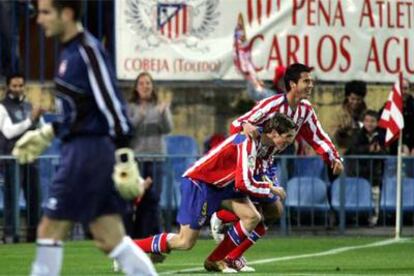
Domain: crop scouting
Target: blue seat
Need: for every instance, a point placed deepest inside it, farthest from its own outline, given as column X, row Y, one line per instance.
column 390, row 167
column 182, row 151
column 314, row 167
column 357, row 194
column 307, row 193
column 388, row 194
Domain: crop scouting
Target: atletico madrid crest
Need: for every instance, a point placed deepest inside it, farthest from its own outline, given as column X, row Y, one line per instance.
column 172, row 21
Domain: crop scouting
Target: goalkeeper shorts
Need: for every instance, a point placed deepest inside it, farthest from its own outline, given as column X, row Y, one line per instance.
column 82, row 189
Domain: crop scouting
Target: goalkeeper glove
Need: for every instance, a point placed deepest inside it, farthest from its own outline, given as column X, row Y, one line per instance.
column 128, row 181
column 33, row 143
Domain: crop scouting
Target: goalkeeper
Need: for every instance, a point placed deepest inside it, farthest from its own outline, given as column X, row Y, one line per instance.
column 95, row 155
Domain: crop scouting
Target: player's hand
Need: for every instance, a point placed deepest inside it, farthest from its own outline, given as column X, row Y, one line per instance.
column 337, row 167
column 279, row 191
column 32, row 144
column 128, row 181
column 250, row 130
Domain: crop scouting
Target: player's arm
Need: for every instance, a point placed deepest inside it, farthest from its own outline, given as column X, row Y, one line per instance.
column 246, row 162
column 317, row 138
column 264, row 110
column 126, row 176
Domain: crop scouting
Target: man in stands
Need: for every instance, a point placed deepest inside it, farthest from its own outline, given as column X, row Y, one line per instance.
column 16, row 117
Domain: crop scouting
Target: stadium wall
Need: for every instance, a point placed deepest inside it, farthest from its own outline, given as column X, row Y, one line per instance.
column 201, row 110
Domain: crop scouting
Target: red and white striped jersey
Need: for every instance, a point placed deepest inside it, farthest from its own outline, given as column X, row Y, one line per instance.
column 239, row 159
column 307, row 123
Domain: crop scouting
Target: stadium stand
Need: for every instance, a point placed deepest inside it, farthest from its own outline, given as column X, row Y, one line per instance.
column 357, row 194
column 307, row 193
column 313, row 166
column 388, row 194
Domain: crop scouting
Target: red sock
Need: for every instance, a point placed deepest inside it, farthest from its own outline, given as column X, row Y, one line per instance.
column 227, row 216
column 154, row 244
column 254, row 236
column 233, row 238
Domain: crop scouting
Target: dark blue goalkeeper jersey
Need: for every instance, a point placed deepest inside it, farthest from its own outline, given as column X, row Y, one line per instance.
column 87, row 99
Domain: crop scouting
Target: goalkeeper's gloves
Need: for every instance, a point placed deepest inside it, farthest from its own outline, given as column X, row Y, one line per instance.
column 128, row 181
column 32, row 144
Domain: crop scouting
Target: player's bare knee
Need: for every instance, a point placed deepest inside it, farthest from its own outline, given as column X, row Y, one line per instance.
column 251, row 219
column 188, row 244
column 185, row 243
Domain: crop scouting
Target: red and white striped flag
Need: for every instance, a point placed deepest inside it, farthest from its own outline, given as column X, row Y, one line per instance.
column 392, row 116
column 242, row 56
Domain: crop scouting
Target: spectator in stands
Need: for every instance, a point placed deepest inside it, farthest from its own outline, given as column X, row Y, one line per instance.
column 369, row 140
column 408, row 113
column 347, row 120
column 152, row 120
column 408, row 132
column 16, row 117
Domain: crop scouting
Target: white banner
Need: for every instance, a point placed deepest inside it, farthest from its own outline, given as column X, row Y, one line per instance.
column 369, row 40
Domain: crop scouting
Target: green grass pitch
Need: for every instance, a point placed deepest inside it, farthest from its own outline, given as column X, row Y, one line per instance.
column 271, row 256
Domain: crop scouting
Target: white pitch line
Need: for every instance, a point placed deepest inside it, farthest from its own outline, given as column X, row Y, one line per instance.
column 310, row 255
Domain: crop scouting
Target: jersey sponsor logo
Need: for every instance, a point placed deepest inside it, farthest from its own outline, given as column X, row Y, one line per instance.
column 160, row 22
column 63, row 66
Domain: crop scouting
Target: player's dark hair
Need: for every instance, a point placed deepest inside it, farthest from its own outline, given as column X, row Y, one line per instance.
column 13, row 76
column 293, row 73
column 280, row 122
column 76, row 5
column 135, row 98
column 356, row 87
